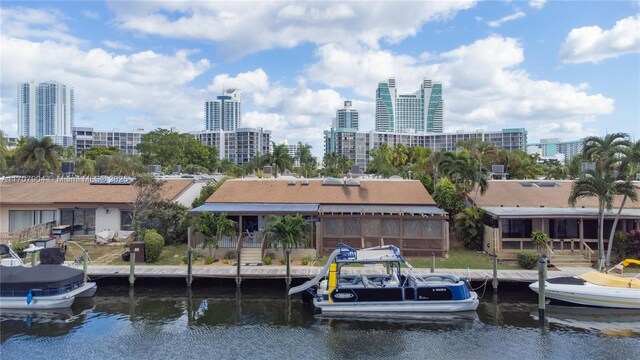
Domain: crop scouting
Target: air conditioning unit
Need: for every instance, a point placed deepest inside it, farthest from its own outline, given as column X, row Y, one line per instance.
column 497, row 169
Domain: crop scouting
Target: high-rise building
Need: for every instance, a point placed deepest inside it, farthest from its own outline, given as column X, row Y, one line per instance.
column 419, row 112
column 239, row 146
column 346, row 118
column 46, row 109
column 224, row 113
column 356, row 145
column 126, row 141
column 385, row 105
column 552, row 147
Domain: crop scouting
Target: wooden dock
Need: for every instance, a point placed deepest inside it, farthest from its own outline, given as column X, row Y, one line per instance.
column 305, row 272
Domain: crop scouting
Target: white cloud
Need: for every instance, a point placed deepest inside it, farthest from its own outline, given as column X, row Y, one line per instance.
column 246, row 27
column 514, row 16
column 501, row 94
column 592, row 44
column 537, row 4
column 151, row 85
column 91, row 15
column 35, row 24
column 116, row 45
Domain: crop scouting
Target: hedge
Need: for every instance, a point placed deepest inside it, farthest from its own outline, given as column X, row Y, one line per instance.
column 153, row 244
column 528, row 259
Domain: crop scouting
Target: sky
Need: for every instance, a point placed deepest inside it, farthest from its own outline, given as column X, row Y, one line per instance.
column 560, row 69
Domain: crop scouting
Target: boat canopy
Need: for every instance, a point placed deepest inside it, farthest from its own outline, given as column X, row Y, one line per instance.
column 41, row 276
column 597, row 278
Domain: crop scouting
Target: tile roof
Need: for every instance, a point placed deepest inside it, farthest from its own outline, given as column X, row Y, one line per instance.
column 511, row 193
column 57, row 191
column 275, row 191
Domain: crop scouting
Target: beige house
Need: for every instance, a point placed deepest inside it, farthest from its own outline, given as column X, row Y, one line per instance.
column 515, row 208
column 357, row 212
column 89, row 207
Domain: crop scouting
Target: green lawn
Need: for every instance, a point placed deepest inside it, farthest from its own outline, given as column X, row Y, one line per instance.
column 170, row 255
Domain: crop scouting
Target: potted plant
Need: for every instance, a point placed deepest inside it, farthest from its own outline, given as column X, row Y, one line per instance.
column 540, row 240
column 19, row 247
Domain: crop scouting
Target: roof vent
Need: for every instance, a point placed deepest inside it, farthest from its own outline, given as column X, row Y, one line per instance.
column 304, row 182
column 292, row 182
column 395, row 177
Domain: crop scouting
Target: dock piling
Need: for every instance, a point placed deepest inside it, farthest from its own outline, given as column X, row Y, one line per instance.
column 287, row 258
column 542, row 278
column 238, row 265
column 189, row 268
column 495, row 273
column 433, row 262
column 85, row 260
column 132, row 269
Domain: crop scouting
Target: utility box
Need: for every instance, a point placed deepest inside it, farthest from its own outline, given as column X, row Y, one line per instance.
column 62, row 232
column 136, row 249
column 44, row 243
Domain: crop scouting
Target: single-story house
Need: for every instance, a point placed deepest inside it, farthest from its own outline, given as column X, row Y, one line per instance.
column 515, row 208
column 357, row 212
column 89, row 205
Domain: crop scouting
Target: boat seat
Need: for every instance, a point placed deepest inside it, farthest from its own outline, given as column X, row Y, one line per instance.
column 366, row 282
column 392, row 281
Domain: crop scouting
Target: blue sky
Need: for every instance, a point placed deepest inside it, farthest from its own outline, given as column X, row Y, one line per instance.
column 562, row 69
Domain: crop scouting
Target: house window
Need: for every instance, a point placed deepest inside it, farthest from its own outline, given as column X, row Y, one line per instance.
column 126, row 220
column 22, row 219
column 516, row 228
column 332, row 226
column 563, row 228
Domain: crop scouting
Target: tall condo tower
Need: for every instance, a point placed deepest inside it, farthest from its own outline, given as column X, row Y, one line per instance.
column 385, row 105
column 224, row 113
column 409, row 113
column 347, row 118
column 46, row 109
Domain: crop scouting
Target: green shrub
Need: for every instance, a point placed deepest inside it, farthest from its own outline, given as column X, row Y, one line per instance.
column 267, row 260
column 540, row 239
column 226, row 261
column 185, row 259
column 153, row 244
column 528, row 259
column 283, row 262
column 19, row 246
column 306, row 260
column 230, row 255
column 208, row 260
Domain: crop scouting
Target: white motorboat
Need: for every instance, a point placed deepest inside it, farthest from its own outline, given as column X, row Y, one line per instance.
column 595, row 289
column 384, row 289
column 44, row 286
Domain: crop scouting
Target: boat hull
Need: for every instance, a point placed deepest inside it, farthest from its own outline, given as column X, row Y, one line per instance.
column 46, row 302
column 592, row 295
column 410, row 306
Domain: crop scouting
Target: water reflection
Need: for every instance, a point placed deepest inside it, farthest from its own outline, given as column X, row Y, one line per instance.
column 617, row 322
column 44, row 323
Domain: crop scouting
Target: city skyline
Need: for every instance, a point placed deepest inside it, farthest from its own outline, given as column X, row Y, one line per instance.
column 559, row 69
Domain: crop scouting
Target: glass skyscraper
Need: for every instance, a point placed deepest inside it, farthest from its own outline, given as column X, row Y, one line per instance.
column 46, row 109
column 411, row 113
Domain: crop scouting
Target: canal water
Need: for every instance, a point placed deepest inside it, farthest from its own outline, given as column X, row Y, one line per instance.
column 261, row 322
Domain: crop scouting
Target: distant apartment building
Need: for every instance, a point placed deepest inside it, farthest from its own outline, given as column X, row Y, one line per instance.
column 356, row 146
column 557, row 149
column 293, row 152
column 126, row 141
column 224, row 113
column 240, row 145
column 420, row 112
column 46, row 109
column 346, row 118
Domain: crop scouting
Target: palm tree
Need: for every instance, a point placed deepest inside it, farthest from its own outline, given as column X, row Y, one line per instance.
column 604, row 151
column 460, row 168
column 280, row 159
column 381, row 161
column 574, row 167
column 287, row 231
column 306, row 159
column 629, row 166
column 257, row 163
column 399, row 156
column 603, row 186
column 214, row 228
column 38, row 156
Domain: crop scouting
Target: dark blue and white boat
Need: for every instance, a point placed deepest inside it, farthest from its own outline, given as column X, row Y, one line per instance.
column 45, row 286
column 384, row 288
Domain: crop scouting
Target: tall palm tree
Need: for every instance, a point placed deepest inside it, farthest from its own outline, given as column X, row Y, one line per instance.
column 280, row 159
column 39, row 156
column 463, row 171
column 602, row 185
column 307, row 161
column 604, row 151
column 629, row 167
column 399, row 156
